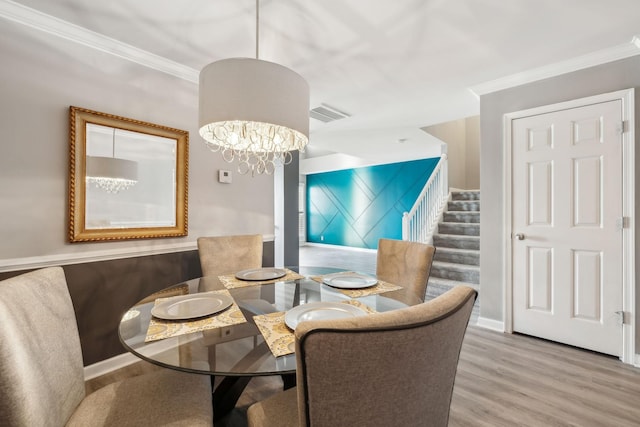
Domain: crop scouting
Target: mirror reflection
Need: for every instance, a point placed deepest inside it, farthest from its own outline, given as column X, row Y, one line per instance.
column 128, row 179
column 139, row 189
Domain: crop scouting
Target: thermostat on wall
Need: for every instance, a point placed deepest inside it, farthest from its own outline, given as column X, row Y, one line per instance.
column 224, row 177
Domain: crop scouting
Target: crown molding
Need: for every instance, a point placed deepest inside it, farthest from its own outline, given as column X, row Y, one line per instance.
column 603, row 56
column 33, row 18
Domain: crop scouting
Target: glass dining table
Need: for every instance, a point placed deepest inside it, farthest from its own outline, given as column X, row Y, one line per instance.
column 238, row 351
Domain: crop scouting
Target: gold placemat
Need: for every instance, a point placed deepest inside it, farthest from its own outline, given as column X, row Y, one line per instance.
column 230, row 281
column 279, row 337
column 378, row 288
column 160, row 329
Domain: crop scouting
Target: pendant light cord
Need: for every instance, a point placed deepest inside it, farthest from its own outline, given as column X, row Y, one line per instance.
column 257, row 29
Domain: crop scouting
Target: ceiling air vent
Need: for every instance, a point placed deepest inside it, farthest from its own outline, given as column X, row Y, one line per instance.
column 327, row 114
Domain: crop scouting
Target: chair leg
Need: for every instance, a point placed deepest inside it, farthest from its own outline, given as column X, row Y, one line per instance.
column 226, row 395
column 289, row 381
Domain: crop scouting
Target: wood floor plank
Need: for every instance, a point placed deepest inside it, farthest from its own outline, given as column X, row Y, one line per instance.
column 506, row 380
column 525, row 381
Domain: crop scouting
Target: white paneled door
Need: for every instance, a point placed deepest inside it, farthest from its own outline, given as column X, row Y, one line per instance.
column 567, row 226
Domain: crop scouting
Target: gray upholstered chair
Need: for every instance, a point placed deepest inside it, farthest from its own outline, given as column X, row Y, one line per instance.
column 229, row 254
column 405, row 263
column 42, row 375
column 395, row 368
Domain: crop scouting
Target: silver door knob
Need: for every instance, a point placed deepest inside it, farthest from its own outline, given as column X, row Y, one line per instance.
column 520, row 236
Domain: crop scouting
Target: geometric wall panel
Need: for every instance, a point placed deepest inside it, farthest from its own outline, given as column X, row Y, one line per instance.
column 356, row 207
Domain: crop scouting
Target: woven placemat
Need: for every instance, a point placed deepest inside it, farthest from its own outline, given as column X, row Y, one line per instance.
column 279, row 337
column 161, row 329
column 230, row 281
column 378, row 288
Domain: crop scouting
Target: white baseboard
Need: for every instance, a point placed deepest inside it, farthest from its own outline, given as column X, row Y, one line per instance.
column 636, row 361
column 349, row 248
column 109, row 365
column 126, row 359
column 494, row 325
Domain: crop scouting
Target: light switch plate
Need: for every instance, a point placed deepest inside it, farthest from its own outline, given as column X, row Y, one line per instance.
column 224, row 177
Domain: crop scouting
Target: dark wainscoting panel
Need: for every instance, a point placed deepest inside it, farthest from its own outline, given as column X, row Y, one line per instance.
column 103, row 291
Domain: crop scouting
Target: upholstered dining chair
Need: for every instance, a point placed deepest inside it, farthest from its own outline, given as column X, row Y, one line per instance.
column 405, row 263
column 42, row 375
column 230, row 254
column 395, row 368
column 227, row 254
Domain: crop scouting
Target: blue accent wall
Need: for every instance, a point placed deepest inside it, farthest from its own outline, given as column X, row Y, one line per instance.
column 356, row 207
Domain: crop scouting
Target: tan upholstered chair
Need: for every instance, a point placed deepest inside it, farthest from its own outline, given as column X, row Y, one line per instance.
column 405, row 263
column 229, row 254
column 395, row 368
column 42, row 375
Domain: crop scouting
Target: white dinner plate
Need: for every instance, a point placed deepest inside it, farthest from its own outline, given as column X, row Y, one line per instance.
column 320, row 311
column 261, row 274
column 350, row 281
column 191, row 306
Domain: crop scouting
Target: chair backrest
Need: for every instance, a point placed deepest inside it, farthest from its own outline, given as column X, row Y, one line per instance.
column 229, row 254
column 405, row 263
column 395, row 368
column 41, row 368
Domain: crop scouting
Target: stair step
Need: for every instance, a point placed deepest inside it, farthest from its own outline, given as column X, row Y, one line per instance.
column 458, row 272
column 463, row 205
column 462, row 216
column 439, row 286
column 460, row 256
column 456, row 241
column 459, row 228
column 465, row 195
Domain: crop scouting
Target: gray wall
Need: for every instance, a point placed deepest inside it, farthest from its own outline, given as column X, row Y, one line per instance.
column 291, row 239
column 40, row 77
column 618, row 75
column 462, row 138
column 39, row 80
column 472, row 155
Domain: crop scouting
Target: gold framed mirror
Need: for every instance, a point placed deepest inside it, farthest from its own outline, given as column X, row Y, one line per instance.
column 128, row 179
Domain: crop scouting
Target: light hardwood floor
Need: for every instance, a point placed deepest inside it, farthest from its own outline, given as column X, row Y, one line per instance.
column 507, row 380
column 503, row 380
column 517, row 380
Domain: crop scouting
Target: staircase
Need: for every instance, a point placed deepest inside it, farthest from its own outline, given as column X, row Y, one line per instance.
column 457, row 242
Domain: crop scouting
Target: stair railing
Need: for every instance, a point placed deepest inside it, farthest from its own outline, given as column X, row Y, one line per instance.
column 419, row 223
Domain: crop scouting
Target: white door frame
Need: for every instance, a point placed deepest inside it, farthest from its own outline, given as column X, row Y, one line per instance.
column 628, row 203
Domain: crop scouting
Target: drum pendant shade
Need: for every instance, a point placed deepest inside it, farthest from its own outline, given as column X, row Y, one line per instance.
column 255, row 110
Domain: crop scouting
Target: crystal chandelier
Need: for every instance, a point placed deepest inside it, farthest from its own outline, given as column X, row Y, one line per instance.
column 111, row 174
column 253, row 111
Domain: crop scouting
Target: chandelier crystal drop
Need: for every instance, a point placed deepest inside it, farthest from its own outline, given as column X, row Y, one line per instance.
column 253, row 111
column 111, row 174
column 258, row 147
column 111, row 185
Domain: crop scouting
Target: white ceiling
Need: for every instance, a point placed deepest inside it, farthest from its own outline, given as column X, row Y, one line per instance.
column 394, row 66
